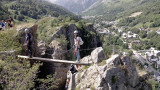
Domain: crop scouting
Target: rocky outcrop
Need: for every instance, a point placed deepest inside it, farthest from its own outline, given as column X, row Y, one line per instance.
column 33, row 31
column 98, row 55
column 59, row 50
column 117, row 73
column 42, row 48
column 91, row 41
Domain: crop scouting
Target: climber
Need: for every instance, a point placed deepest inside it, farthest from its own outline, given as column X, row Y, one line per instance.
column 73, row 68
column 77, row 42
column 68, row 80
column 28, row 43
column 11, row 21
column 2, row 25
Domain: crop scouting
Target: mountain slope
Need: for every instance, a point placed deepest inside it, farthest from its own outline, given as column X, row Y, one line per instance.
column 76, row 6
column 3, row 11
column 150, row 16
column 133, row 13
column 34, row 9
column 113, row 6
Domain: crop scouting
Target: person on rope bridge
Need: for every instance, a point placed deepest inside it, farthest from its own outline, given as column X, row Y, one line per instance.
column 28, row 43
column 77, row 42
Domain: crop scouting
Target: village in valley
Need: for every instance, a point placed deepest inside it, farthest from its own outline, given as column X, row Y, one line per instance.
column 149, row 58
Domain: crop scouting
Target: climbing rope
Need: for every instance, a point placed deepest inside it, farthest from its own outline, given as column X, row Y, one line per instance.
column 65, row 51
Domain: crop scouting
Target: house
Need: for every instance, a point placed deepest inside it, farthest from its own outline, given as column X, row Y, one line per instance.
column 149, row 56
column 153, row 55
column 135, row 35
column 158, row 31
column 129, row 32
column 124, row 35
column 120, row 31
column 136, row 41
column 130, row 36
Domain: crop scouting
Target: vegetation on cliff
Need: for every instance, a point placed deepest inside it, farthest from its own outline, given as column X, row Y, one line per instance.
column 25, row 10
column 16, row 73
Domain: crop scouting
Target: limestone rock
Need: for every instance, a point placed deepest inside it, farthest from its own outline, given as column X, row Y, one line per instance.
column 87, row 59
column 42, row 48
column 33, row 31
column 98, row 55
column 119, row 73
column 58, row 50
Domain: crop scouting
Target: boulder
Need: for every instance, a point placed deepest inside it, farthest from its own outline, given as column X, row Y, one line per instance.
column 87, row 59
column 98, row 55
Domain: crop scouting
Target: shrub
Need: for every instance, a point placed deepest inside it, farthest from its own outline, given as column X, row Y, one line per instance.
column 9, row 42
column 17, row 74
column 50, row 83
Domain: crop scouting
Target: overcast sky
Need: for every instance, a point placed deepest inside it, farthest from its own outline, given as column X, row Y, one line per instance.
column 53, row 0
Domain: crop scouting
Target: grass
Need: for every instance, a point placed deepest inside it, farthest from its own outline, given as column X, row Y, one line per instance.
column 78, row 88
column 92, row 87
column 154, row 84
column 102, row 63
column 141, row 71
column 79, row 77
column 49, row 25
column 24, row 25
column 85, row 67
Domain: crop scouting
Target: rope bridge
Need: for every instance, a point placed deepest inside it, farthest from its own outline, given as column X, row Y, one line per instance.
column 52, row 60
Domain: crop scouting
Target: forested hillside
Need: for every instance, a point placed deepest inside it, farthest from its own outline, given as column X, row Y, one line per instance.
column 31, row 9
column 3, row 11
column 150, row 16
column 133, row 13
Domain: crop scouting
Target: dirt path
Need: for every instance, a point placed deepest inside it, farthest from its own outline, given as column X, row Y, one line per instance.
column 135, row 14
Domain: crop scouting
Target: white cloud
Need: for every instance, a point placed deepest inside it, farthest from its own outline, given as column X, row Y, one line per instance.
column 53, row 1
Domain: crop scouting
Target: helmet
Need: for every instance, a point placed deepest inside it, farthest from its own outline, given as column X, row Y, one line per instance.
column 76, row 32
column 26, row 30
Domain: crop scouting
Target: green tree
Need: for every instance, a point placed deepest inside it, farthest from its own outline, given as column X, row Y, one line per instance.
column 17, row 74
column 49, row 83
column 135, row 30
column 143, row 34
column 151, row 34
column 9, row 42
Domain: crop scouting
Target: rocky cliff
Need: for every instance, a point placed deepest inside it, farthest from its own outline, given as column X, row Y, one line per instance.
column 61, row 47
column 115, row 73
column 63, row 40
column 33, row 31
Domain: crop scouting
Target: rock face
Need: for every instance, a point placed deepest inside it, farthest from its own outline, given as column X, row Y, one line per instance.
column 117, row 74
column 98, row 55
column 58, row 49
column 42, row 48
column 68, row 34
column 33, row 31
